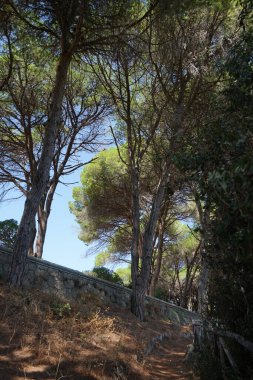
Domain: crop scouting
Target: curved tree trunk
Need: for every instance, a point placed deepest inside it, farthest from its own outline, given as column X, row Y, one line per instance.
column 41, row 178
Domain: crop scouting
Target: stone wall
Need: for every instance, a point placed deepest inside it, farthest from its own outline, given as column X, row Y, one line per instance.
column 70, row 284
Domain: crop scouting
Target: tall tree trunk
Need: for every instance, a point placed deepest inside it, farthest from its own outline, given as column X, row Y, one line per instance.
column 43, row 215
column 185, row 291
column 155, row 277
column 32, row 238
column 135, row 253
column 204, row 272
column 41, row 178
column 138, row 298
column 203, row 288
column 42, row 227
column 191, row 269
column 141, row 284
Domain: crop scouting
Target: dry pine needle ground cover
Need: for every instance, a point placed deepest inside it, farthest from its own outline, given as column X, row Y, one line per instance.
column 43, row 337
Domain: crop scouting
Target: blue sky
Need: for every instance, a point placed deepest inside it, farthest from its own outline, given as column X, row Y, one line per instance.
column 62, row 245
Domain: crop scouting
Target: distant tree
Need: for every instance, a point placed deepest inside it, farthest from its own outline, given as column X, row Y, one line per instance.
column 125, row 275
column 102, row 203
column 8, row 232
column 107, row 274
column 181, row 265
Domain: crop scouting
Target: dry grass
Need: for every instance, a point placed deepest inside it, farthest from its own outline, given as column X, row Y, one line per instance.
column 43, row 337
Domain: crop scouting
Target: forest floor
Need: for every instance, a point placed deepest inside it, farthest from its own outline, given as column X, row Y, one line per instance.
column 45, row 338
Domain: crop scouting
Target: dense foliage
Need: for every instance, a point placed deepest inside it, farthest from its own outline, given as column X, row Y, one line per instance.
column 8, row 232
column 231, row 186
column 219, row 160
column 106, row 274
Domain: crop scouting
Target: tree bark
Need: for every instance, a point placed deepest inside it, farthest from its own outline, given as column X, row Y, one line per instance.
column 42, row 227
column 41, row 178
column 43, row 215
column 203, row 287
column 141, row 284
column 204, row 272
column 191, row 268
column 185, row 291
column 32, row 238
column 158, row 265
column 138, row 299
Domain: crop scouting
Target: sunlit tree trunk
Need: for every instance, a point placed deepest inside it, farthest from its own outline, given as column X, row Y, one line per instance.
column 32, row 238
column 43, row 215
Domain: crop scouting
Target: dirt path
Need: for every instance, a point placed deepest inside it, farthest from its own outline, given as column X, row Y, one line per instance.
column 167, row 361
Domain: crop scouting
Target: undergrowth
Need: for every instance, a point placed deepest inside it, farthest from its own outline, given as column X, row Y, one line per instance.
column 62, row 338
column 45, row 337
column 206, row 365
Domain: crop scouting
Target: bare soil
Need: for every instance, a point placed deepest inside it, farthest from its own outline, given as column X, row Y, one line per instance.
column 45, row 338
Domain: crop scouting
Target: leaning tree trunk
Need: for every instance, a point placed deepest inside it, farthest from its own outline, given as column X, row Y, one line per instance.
column 41, row 178
column 140, row 287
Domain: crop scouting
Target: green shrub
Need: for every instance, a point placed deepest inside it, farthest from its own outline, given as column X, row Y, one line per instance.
column 107, row 274
column 161, row 294
column 61, row 310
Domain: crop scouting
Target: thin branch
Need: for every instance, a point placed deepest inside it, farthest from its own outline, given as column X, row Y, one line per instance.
column 117, row 146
